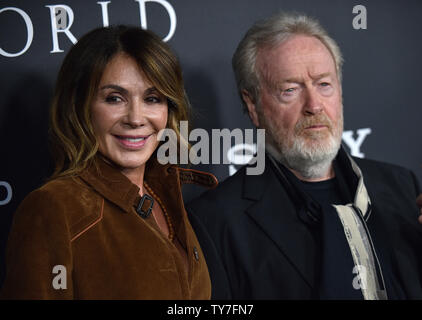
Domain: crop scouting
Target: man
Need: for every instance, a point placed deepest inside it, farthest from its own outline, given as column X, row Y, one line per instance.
column 317, row 224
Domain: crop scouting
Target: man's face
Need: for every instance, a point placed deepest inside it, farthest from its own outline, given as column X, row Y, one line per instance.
column 300, row 100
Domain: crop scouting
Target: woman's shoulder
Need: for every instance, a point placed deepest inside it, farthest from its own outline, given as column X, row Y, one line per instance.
column 59, row 189
column 66, row 198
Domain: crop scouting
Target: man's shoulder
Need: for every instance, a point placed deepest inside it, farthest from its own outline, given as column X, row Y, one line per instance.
column 369, row 164
column 388, row 177
column 228, row 190
column 380, row 168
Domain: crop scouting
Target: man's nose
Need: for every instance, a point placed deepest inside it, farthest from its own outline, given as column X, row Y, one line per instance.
column 313, row 104
column 136, row 113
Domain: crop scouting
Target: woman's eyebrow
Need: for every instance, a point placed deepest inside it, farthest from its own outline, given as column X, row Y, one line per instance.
column 125, row 91
column 151, row 90
column 115, row 87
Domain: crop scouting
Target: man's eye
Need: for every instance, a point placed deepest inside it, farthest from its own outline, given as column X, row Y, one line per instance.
column 113, row 99
column 289, row 91
column 324, row 84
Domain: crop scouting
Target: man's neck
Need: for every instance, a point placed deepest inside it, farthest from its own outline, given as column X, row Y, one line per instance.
column 327, row 174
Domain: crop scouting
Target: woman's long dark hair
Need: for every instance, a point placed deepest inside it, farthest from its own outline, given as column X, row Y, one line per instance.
column 73, row 143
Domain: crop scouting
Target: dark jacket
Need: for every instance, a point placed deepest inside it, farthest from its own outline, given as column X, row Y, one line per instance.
column 89, row 225
column 257, row 247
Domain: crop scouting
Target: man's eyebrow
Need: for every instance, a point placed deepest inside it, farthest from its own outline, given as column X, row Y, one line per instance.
column 293, row 80
column 299, row 80
column 322, row 75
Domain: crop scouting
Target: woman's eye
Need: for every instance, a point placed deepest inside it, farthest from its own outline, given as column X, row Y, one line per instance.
column 113, row 99
column 153, row 99
column 324, row 84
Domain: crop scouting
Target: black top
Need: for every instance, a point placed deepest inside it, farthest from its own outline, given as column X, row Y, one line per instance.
column 323, row 192
column 336, row 274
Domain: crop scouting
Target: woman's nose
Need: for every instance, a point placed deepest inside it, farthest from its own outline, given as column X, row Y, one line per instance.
column 136, row 113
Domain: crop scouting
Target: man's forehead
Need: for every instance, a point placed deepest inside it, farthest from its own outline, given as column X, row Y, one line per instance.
column 296, row 57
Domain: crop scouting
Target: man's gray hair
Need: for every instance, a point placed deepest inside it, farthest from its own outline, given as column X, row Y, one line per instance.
column 272, row 32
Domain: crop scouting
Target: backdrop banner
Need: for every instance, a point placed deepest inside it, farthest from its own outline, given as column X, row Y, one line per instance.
column 380, row 41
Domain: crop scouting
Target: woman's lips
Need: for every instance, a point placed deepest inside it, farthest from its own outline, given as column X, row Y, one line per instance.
column 132, row 142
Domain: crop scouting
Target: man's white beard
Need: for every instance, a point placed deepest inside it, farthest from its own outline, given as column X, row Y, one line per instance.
column 310, row 155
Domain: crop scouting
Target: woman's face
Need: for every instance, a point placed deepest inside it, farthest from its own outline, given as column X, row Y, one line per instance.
column 127, row 114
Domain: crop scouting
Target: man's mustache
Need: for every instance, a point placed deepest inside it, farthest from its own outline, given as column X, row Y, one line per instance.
column 317, row 120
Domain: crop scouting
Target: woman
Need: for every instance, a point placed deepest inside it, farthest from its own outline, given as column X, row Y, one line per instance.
column 110, row 223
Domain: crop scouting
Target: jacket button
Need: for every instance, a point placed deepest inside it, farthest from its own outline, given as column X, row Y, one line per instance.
column 196, row 254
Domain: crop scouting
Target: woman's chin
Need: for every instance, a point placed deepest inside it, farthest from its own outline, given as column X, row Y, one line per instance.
column 131, row 163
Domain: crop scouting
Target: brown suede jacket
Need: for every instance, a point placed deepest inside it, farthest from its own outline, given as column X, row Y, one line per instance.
column 89, row 228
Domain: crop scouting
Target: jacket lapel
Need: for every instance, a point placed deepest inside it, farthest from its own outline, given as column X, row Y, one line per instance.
column 108, row 181
column 275, row 214
column 397, row 240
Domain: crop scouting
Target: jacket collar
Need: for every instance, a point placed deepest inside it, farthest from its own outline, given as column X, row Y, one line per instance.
column 275, row 213
column 107, row 180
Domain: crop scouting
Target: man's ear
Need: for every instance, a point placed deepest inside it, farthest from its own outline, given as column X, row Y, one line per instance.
column 251, row 105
